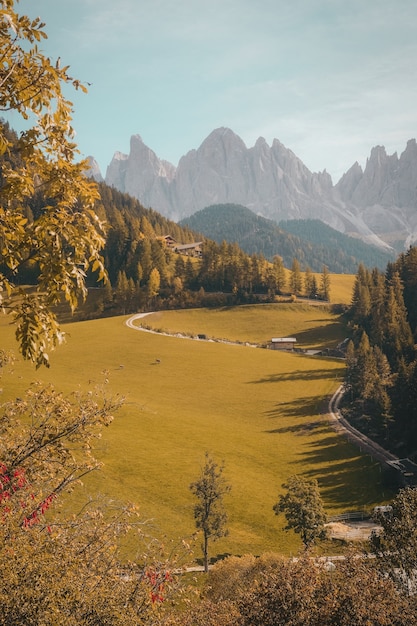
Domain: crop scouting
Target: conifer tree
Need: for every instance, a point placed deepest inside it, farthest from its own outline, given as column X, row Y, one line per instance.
column 377, row 308
column 361, row 298
column 308, row 278
column 325, row 284
column 279, row 272
column 408, row 273
column 398, row 339
column 296, row 281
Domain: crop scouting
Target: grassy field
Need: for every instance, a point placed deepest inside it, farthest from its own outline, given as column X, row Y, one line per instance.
column 257, row 410
column 312, row 326
column 341, row 286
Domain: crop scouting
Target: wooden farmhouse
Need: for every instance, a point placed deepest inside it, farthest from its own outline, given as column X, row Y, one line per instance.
column 282, row 343
column 194, row 249
column 190, row 249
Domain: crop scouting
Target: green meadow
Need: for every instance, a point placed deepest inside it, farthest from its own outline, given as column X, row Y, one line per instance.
column 260, row 411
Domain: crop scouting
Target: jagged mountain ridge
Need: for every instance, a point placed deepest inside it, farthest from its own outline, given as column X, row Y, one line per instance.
column 377, row 204
column 312, row 242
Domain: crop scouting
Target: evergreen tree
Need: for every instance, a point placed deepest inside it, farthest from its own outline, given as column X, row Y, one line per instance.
column 398, row 339
column 145, row 258
column 408, row 273
column 159, row 260
column 377, row 308
column 361, row 298
column 308, row 276
column 122, row 292
column 296, row 281
column 324, row 290
column 179, row 266
column 279, row 272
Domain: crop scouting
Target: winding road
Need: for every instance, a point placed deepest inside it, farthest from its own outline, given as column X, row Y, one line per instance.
column 340, row 424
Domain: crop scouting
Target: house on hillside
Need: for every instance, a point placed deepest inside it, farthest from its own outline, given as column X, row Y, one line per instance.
column 190, row 249
column 282, row 343
column 168, row 241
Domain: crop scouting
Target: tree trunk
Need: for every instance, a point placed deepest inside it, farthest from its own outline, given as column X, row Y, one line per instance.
column 205, row 554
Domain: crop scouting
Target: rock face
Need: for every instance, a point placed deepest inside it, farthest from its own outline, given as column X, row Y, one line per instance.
column 385, row 194
column 94, row 169
column 378, row 204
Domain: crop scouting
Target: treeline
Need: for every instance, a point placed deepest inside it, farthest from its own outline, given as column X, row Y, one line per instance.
column 381, row 358
column 144, row 272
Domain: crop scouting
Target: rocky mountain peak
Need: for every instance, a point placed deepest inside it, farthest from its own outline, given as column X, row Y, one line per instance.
column 94, row 169
column 378, row 203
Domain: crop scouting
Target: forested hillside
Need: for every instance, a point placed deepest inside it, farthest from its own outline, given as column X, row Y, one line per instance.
column 337, row 249
column 147, row 269
column 312, row 242
column 381, row 359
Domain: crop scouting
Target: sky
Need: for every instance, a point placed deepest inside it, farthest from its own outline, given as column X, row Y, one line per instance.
column 329, row 78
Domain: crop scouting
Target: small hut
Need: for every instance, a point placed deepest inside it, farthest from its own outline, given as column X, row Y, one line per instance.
column 282, row 343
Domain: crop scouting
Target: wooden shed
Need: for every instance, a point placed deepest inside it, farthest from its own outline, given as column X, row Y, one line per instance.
column 282, row 343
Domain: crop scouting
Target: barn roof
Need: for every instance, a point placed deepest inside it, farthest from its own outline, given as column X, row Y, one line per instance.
column 283, row 339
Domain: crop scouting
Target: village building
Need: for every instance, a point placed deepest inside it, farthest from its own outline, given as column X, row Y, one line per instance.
column 190, row 249
column 194, row 249
column 282, row 343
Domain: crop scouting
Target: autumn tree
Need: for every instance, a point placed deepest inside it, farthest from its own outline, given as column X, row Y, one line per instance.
column 209, row 512
column 154, row 284
column 303, row 509
column 61, row 567
column 304, row 592
column 64, row 238
column 271, row 589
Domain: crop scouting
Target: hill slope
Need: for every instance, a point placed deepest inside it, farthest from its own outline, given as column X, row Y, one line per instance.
column 312, row 242
column 257, row 410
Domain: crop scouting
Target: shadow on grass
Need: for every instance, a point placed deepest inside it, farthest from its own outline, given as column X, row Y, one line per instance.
column 322, row 334
column 348, row 478
column 300, row 375
column 301, row 407
column 351, row 479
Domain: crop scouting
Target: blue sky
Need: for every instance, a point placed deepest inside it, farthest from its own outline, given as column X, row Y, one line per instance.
column 329, row 78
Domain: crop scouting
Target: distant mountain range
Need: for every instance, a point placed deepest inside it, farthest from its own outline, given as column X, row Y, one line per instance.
column 312, row 242
column 377, row 204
